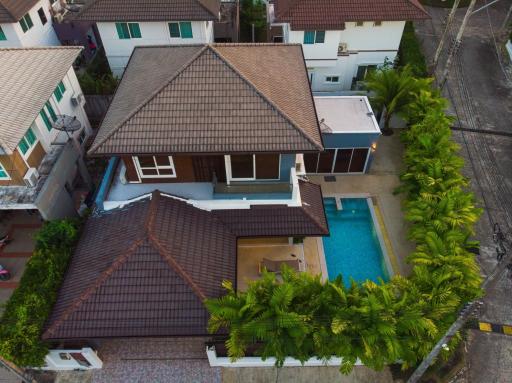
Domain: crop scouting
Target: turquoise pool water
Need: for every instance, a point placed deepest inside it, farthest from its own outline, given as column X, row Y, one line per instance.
column 353, row 249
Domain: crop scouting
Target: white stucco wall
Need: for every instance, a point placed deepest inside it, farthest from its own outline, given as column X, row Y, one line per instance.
column 118, row 50
column 63, row 107
column 38, row 35
column 366, row 45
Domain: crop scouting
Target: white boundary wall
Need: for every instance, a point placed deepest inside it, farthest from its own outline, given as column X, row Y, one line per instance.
column 251, row 361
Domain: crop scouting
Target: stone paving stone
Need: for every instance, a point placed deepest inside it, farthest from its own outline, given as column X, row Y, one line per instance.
column 155, row 360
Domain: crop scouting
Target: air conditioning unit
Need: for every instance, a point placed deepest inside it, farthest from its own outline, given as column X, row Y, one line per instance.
column 31, row 177
column 78, row 99
column 342, row 48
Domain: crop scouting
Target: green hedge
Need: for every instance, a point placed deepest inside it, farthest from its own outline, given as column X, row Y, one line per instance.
column 378, row 323
column 31, row 303
column 410, row 52
column 97, row 78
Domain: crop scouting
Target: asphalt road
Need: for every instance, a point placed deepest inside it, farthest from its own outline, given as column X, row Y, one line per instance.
column 480, row 89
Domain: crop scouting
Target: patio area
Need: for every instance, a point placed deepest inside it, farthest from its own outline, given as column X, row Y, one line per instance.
column 380, row 183
column 252, row 252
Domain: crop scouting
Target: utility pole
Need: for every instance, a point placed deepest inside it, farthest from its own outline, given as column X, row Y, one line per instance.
column 504, row 25
column 468, row 310
column 456, row 44
column 445, row 32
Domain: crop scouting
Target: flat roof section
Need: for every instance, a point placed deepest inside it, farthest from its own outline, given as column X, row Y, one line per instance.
column 345, row 114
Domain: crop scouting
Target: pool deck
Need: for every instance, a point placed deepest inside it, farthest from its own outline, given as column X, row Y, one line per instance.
column 380, row 183
column 252, row 251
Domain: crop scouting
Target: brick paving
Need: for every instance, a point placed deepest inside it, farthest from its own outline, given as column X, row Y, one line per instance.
column 153, row 360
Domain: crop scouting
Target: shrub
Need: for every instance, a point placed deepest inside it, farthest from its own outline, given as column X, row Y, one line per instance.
column 410, row 52
column 379, row 323
column 97, row 78
column 30, row 305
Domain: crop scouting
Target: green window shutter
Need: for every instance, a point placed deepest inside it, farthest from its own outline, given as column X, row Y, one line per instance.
column 309, row 37
column 23, row 146
column 174, row 29
column 62, row 87
column 50, row 109
column 2, row 35
column 3, row 173
column 320, row 37
column 122, row 31
column 58, row 94
column 186, row 29
column 46, row 120
column 134, row 30
column 23, row 25
column 30, row 24
column 30, row 137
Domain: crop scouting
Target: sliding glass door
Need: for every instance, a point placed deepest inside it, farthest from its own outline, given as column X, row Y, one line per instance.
column 341, row 160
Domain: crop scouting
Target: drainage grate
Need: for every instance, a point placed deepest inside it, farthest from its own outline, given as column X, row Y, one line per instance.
column 330, row 178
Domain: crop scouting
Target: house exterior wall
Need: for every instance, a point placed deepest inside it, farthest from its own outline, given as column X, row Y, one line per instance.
column 63, row 107
column 200, row 168
column 54, row 201
column 366, row 45
column 118, row 50
column 38, row 35
column 15, row 167
column 349, row 140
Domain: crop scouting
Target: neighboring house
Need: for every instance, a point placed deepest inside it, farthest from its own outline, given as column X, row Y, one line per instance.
column 206, row 170
column 27, row 23
column 125, row 24
column 342, row 39
column 38, row 163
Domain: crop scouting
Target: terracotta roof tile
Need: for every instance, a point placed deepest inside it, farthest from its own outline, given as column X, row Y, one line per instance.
column 211, row 99
column 145, row 269
column 331, row 14
column 149, row 10
column 11, row 11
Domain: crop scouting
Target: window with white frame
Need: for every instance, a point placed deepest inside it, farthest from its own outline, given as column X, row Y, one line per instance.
column 155, row 166
column 28, row 141
column 3, row 173
column 26, row 23
column 332, row 79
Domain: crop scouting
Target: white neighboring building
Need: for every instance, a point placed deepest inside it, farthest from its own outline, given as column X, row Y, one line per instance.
column 39, row 163
column 159, row 22
column 27, row 23
column 342, row 39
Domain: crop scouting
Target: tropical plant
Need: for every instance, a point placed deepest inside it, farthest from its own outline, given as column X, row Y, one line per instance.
column 377, row 323
column 30, row 305
column 392, row 90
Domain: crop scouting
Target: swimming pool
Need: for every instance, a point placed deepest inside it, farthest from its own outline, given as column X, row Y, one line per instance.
column 353, row 248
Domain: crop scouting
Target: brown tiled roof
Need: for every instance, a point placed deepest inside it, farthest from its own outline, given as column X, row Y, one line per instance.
column 11, row 11
column 145, row 269
column 267, row 221
column 149, row 10
column 28, row 77
column 219, row 98
column 331, row 14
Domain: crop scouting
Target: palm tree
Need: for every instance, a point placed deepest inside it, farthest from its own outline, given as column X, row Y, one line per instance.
column 393, row 90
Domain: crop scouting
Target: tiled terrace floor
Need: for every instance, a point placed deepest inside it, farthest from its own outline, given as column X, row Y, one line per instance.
column 252, row 251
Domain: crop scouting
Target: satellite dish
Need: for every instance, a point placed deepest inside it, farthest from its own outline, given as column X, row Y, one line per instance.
column 67, row 124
